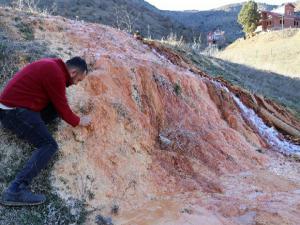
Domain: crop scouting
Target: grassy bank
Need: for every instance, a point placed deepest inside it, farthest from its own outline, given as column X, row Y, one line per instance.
column 276, row 51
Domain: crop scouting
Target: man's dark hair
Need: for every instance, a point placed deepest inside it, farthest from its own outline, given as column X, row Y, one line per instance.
column 77, row 63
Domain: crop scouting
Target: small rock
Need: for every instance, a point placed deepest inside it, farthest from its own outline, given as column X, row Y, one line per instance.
column 115, row 209
column 296, row 157
column 260, row 151
column 101, row 220
column 164, row 140
column 188, row 211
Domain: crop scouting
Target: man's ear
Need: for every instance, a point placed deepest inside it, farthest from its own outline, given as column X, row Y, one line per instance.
column 73, row 72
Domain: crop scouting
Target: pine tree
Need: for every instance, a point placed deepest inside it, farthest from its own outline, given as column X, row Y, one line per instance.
column 249, row 17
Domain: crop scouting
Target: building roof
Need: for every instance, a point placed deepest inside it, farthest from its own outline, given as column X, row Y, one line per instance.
column 290, row 4
column 281, row 9
column 280, row 15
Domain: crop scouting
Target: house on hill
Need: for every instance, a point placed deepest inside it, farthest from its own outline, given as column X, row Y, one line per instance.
column 216, row 37
column 283, row 17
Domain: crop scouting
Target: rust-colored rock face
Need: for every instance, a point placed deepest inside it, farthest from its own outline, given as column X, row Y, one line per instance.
column 167, row 146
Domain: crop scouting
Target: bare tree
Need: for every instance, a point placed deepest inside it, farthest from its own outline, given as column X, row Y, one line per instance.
column 125, row 19
column 197, row 42
column 19, row 4
column 32, row 6
column 149, row 33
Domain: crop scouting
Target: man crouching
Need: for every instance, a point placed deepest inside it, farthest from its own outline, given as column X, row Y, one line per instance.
column 35, row 96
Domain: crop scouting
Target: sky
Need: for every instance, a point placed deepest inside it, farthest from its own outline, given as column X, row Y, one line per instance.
column 201, row 4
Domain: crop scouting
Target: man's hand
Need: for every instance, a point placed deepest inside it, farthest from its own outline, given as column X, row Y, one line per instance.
column 85, row 121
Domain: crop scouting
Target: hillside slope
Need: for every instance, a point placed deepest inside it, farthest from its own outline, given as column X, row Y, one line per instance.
column 167, row 145
column 151, row 21
column 124, row 14
column 274, row 51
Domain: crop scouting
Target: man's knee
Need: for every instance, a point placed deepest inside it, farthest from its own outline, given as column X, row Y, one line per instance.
column 52, row 145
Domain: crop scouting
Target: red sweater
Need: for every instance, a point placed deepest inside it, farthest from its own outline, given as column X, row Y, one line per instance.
column 38, row 84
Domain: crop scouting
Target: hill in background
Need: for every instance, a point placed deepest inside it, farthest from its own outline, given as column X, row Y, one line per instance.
column 149, row 20
column 223, row 18
column 125, row 14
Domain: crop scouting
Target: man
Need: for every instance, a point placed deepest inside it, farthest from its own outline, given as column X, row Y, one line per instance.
column 31, row 99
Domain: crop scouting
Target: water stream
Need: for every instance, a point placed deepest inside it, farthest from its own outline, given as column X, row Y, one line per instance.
column 270, row 135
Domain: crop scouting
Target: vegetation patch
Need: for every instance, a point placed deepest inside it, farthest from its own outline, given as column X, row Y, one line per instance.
column 16, row 54
column 26, row 30
column 177, row 89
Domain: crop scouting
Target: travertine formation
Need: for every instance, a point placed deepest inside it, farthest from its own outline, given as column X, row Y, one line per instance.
column 168, row 145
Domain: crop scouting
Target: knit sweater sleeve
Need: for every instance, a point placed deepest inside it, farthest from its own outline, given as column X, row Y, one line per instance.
column 55, row 87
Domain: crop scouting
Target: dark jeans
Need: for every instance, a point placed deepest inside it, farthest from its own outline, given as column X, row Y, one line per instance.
column 31, row 126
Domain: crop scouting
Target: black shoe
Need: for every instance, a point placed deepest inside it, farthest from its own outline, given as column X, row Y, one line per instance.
column 21, row 198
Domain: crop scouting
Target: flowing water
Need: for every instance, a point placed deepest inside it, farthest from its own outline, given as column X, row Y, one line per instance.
column 269, row 134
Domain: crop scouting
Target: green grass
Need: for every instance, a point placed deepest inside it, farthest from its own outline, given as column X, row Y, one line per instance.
column 26, row 31
column 16, row 53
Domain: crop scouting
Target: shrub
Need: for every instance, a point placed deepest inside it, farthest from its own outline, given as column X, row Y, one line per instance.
column 32, row 6
column 177, row 89
column 26, row 30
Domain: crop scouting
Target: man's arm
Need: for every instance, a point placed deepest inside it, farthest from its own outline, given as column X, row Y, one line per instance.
column 56, row 90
